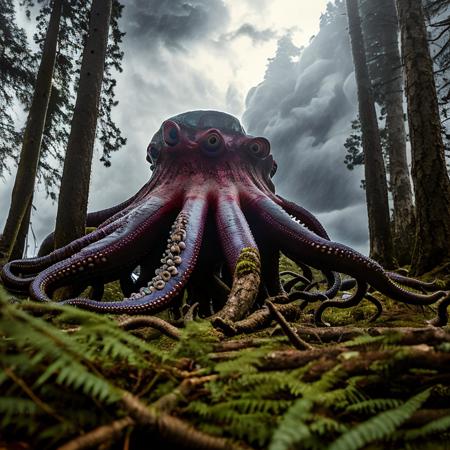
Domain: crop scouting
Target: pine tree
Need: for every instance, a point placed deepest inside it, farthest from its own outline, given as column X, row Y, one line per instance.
column 380, row 27
column 73, row 198
column 29, row 156
column 16, row 81
column 430, row 177
column 375, row 174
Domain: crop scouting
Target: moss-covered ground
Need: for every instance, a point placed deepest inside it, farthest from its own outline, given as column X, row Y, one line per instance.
column 71, row 379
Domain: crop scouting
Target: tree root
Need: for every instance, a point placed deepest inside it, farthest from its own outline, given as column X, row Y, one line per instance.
column 258, row 320
column 161, row 325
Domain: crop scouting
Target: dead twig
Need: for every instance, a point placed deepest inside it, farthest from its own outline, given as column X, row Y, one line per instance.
column 294, row 339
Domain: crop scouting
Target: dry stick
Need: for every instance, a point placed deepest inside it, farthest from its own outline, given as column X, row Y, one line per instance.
column 153, row 322
column 421, row 356
column 155, row 416
column 99, row 435
column 191, row 313
column 176, row 431
column 294, row 339
column 168, row 402
column 404, row 335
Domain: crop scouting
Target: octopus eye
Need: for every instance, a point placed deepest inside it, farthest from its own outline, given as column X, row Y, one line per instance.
column 212, row 144
column 274, row 169
column 153, row 152
column 259, row 147
column 171, row 133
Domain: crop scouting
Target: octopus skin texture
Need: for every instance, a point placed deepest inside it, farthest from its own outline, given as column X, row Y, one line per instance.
column 207, row 217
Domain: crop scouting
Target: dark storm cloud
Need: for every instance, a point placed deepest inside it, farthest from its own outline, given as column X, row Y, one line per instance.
column 174, row 23
column 257, row 36
column 305, row 108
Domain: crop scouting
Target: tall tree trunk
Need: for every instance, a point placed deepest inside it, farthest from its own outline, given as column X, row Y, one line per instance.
column 400, row 184
column 375, row 173
column 29, row 156
column 430, row 178
column 73, row 197
column 19, row 246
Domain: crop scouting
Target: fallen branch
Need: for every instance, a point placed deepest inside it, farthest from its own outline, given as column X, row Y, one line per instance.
column 177, row 432
column 294, row 339
column 404, row 335
column 153, row 322
column 100, row 435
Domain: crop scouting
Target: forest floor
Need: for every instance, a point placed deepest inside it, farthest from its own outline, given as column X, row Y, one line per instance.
column 71, row 379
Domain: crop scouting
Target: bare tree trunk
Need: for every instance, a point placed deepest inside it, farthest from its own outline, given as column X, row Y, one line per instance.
column 19, row 246
column 29, row 156
column 430, row 178
column 73, row 197
column 400, row 184
column 375, row 173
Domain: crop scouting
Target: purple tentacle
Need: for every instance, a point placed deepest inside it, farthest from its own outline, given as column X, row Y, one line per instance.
column 178, row 263
column 307, row 219
column 93, row 219
column 234, row 231
column 14, row 274
column 327, row 255
column 108, row 257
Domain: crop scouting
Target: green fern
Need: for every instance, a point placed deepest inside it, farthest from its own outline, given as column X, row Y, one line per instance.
column 374, row 405
column 380, row 426
column 293, row 428
column 436, row 426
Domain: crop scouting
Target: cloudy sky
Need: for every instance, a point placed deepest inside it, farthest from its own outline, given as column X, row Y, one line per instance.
column 182, row 55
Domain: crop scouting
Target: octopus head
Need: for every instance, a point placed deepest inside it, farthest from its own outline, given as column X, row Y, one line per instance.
column 210, row 138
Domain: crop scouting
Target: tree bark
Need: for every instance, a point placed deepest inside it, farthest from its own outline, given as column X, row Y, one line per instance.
column 392, row 91
column 375, row 173
column 19, row 246
column 29, row 157
column 73, row 197
column 429, row 174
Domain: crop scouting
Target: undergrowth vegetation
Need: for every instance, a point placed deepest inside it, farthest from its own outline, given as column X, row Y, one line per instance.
column 71, row 379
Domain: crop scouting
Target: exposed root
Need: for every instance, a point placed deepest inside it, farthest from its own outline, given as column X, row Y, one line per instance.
column 245, row 286
column 153, row 322
column 258, row 320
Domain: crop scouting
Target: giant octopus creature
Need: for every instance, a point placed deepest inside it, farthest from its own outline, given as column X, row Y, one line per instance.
column 208, row 222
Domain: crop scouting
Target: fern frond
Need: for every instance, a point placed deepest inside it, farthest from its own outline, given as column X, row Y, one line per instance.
column 374, row 405
column 380, row 426
column 293, row 428
column 433, row 427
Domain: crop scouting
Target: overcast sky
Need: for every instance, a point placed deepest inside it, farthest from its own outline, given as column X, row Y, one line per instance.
column 182, row 55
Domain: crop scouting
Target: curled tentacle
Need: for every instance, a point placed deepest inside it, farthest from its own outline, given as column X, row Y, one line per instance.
column 93, row 219
column 107, row 258
column 290, row 284
column 334, row 283
column 321, row 253
column 180, row 258
column 309, row 221
column 354, row 300
column 18, row 275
